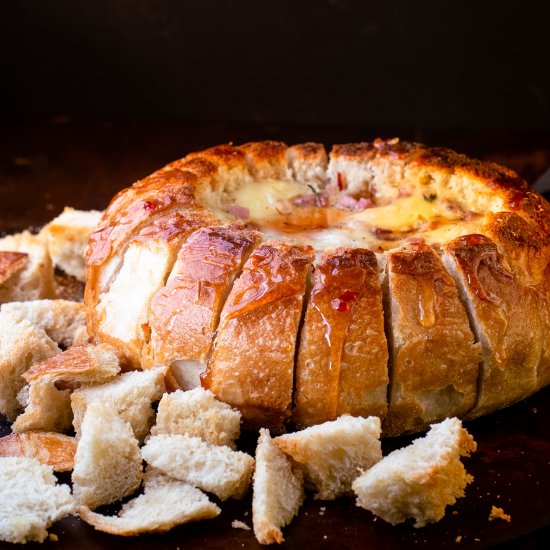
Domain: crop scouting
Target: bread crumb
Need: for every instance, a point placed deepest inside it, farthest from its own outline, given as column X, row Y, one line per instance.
column 237, row 524
column 498, row 513
column 477, row 540
column 53, row 537
column 459, row 538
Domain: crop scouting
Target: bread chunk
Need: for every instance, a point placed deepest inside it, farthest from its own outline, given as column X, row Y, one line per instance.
column 332, row 454
column 67, row 238
column 278, row 491
column 21, row 345
column 164, row 504
column 108, row 460
column 214, row 469
column 342, row 364
column 420, row 480
column 10, row 264
column 35, row 280
column 48, row 405
column 55, row 450
column 30, row 500
column 131, row 395
column 197, row 413
column 63, row 320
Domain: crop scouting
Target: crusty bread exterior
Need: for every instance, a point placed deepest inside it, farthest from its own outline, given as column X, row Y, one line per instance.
column 30, row 500
column 67, row 238
column 198, row 414
column 421, row 480
column 332, row 454
column 212, row 468
column 108, row 463
column 278, row 491
column 382, row 196
column 10, row 264
column 54, row 449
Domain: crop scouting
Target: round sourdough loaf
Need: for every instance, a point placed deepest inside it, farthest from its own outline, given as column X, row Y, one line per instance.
column 386, row 279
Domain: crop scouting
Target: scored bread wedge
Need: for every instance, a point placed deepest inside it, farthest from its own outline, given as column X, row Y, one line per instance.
column 47, row 397
column 198, row 413
column 185, row 313
column 131, row 395
column 67, row 237
column 212, row 468
column 252, row 363
column 419, row 481
column 342, row 364
column 435, row 358
column 277, row 491
column 30, row 500
column 331, row 455
column 55, row 450
column 35, row 280
column 164, row 504
column 108, row 463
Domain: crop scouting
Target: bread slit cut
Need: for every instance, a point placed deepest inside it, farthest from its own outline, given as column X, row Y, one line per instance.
column 435, row 357
column 252, row 363
column 186, row 312
column 505, row 320
column 343, row 356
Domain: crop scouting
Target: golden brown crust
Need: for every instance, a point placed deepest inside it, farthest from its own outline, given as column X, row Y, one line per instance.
column 505, row 319
column 11, row 263
column 434, row 358
column 252, row 363
column 343, row 356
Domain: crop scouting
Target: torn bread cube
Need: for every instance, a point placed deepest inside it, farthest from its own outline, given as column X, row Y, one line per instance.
column 47, row 399
column 420, row 480
column 164, row 504
column 67, row 238
column 130, row 394
column 30, row 500
column 10, row 264
column 55, row 450
column 21, row 345
column 63, row 320
column 333, row 454
column 108, row 463
column 198, row 413
column 214, row 469
column 34, row 280
column 277, row 492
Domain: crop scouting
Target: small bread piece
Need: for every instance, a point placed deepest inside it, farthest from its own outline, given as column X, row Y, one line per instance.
column 165, row 504
column 11, row 263
column 48, row 404
column 21, row 345
column 35, row 280
column 63, row 320
column 67, row 237
column 108, row 463
column 212, row 468
column 130, row 395
column 420, row 480
column 435, row 358
column 331, row 455
column 198, row 413
column 30, row 500
column 342, row 364
column 278, row 491
column 252, row 363
column 56, row 450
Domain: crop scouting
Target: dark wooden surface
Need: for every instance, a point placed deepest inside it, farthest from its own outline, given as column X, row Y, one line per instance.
column 47, row 164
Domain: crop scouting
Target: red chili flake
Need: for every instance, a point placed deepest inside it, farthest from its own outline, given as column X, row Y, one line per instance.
column 344, row 301
column 341, row 184
column 149, row 205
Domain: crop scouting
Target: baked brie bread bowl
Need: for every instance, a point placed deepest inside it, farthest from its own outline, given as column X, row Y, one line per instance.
column 387, row 279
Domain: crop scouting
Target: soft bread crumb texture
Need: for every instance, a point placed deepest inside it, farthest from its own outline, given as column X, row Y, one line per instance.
column 164, row 504
column 420, row 480
column 331, row 455
column 214, row 469
column 30, row 500
column 278, row 491
column 108, row 463
column 198, row 413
